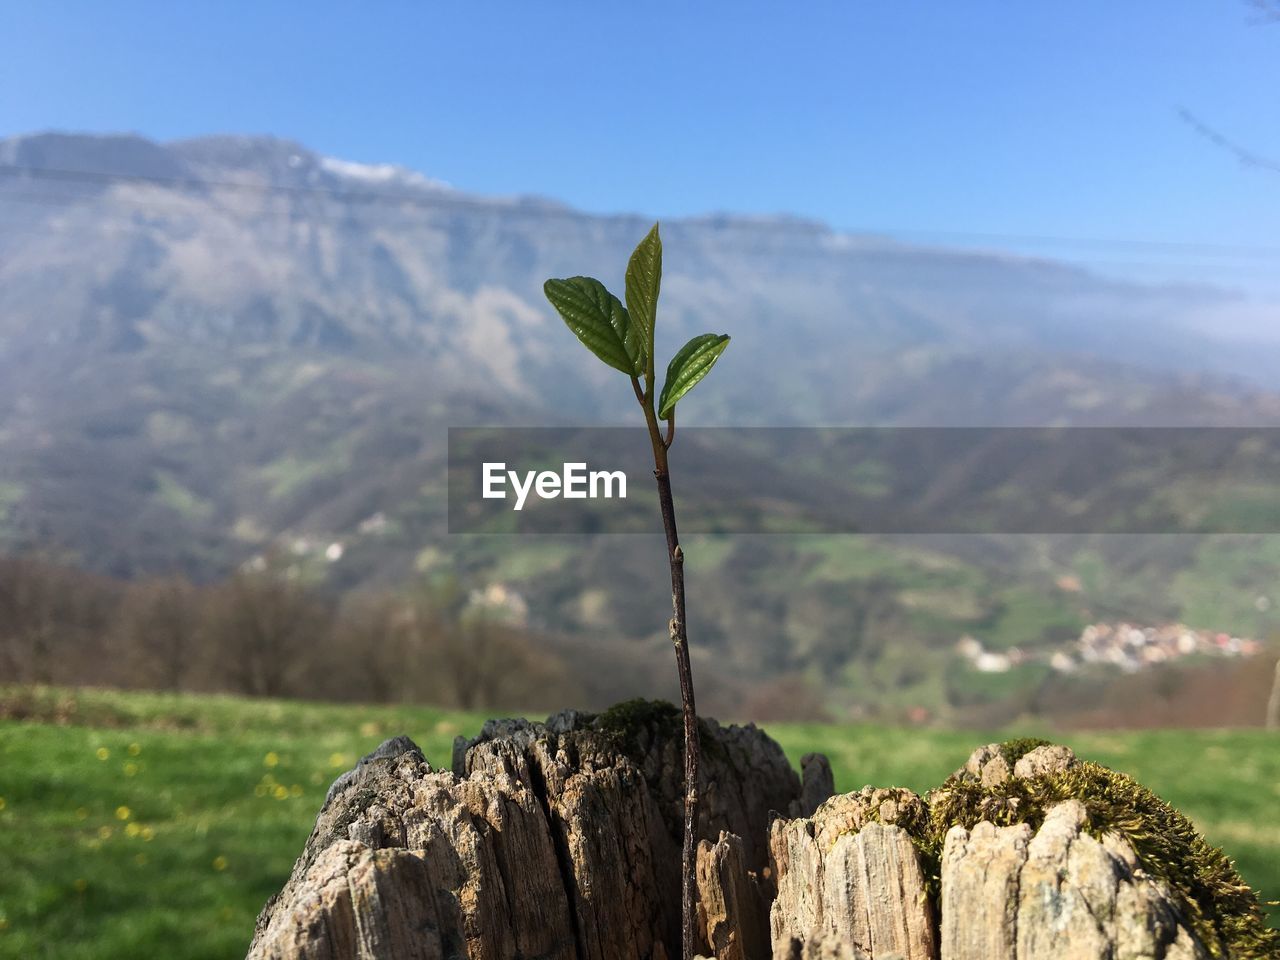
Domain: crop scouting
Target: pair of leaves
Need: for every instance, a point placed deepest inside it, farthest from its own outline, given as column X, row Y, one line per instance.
column 623, row 337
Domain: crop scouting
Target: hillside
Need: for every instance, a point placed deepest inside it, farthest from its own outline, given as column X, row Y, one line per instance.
column 217, row 347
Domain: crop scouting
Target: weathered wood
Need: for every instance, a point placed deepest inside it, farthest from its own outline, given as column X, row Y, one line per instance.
column 1013, row 893
column 1055, row 894
column 817, row 947
column 746, row 779
column 360, row 904
column 561, row 841
column 817, row 783
column 850, row 873
column 980, row 893
column 556, row 840
column 481, row 847
column 733, row 902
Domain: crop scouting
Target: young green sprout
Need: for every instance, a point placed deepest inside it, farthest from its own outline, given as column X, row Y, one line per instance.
column 623, row 337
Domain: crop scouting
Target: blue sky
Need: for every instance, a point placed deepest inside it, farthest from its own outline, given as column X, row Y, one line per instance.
column 982, row 123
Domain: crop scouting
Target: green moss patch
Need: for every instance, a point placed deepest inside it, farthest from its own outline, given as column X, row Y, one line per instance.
column 1220, row 907
column 627, row 721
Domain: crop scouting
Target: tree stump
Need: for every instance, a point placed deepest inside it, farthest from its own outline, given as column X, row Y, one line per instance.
column 556, row 840
column 561, row 841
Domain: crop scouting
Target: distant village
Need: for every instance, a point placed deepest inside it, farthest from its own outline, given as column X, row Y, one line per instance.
column 1126, row 646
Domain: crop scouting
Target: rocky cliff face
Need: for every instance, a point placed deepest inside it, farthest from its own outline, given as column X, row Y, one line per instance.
column 121, row 247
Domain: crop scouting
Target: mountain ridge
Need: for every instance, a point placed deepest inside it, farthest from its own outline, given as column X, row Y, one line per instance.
column 197, row 369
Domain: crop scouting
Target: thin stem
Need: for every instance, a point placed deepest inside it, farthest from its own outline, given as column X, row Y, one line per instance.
column 680, row 640
column 671, row 430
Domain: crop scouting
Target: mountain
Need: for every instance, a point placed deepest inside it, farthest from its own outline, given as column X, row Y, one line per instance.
column 212, row 346
column 118, row 245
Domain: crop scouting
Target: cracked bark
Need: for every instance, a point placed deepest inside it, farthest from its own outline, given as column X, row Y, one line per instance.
column 1009, row 892
column 560, row 841
column 555, row 841
column 849, row 874
column 1013, row 893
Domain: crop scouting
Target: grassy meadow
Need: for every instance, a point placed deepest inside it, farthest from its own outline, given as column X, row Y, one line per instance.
column 139, row 825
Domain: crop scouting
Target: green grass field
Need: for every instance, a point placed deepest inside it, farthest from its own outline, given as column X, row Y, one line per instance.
column 148, row 825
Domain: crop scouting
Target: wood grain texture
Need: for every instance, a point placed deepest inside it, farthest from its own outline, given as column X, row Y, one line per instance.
column 561, row 841
column 555, row 841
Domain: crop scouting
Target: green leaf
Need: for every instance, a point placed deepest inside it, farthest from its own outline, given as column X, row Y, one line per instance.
column 644, row 279
column 599, row 320
column 693, row 362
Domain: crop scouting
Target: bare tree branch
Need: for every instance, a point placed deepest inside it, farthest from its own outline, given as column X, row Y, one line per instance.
column 1245, row 156
column 1268, row 11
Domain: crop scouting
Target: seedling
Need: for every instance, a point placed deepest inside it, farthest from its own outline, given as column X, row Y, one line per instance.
column 623, row 337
